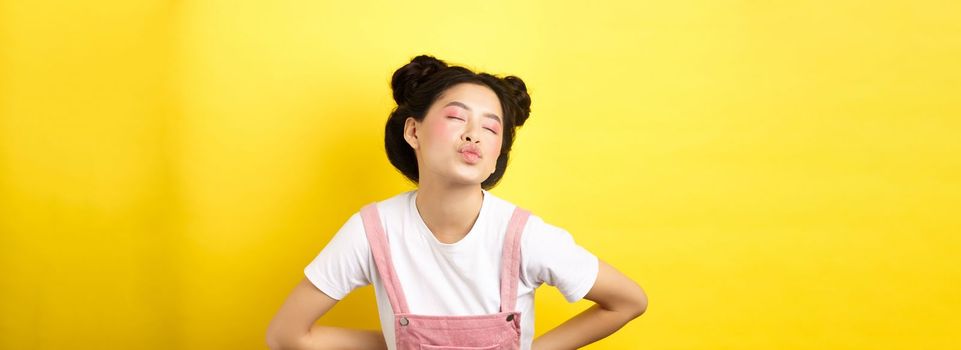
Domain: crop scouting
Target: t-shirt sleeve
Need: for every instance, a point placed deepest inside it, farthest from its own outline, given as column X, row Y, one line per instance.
column 550, row 255
column 344, row 263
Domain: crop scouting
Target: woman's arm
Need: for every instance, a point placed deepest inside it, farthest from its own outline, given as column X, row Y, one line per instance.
column 293, row 326
column 619, row 300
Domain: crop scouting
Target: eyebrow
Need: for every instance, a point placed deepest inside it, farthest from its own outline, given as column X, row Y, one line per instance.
column 488, row 115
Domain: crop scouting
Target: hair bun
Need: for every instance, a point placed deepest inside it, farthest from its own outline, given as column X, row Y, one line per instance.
column 407, row 78
column 518, row 91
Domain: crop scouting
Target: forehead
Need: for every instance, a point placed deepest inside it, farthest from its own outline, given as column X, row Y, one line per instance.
column 480, row 98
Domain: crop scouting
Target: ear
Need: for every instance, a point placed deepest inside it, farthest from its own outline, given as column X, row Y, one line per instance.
column 410, row 132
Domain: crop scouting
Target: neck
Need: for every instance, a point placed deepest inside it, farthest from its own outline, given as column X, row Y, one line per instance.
column 449, row 211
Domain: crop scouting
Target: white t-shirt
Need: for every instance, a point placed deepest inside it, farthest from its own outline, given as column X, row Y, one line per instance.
column 462, row 278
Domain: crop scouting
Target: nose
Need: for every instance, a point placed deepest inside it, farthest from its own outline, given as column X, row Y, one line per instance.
column 470, row 133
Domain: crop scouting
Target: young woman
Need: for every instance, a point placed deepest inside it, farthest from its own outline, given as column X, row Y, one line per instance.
column 453, row 266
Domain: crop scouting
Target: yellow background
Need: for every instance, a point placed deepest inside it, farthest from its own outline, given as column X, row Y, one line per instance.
column 775, row 175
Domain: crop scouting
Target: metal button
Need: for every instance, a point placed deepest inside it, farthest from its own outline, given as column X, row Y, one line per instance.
column 510, row 317
column 404, row 321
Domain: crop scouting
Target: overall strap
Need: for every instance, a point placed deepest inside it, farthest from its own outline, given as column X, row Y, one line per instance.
column 511, row 259
column 380, row 249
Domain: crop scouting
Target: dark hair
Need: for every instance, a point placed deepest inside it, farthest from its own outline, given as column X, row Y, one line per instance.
column 417, row 85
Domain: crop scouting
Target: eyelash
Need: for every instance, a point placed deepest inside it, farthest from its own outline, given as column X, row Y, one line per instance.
column 488, row 129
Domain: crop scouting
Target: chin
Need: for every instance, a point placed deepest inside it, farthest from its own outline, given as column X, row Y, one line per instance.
column 471, row 178
column 470, row 181
column 465, row 174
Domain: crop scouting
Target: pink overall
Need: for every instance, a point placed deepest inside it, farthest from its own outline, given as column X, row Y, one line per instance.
column 425, row 332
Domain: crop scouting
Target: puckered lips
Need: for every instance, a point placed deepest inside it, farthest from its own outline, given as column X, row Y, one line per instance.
column 470, row 153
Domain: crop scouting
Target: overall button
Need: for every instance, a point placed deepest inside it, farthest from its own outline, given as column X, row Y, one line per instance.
column 510, row 317
column 404, row 321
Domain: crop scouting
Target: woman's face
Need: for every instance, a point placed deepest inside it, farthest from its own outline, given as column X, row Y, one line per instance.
column 459, row 139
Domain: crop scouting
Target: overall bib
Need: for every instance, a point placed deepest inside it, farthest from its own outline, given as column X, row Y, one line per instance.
column 499, row 331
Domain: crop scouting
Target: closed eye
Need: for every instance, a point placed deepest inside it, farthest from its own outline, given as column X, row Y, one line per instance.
column 461, row 119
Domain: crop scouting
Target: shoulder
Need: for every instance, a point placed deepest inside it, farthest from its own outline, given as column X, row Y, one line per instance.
column 536, row 231
column 395, row 202
column 389, row 210
column 394, row 207
column 541, row 236
column 353, row 230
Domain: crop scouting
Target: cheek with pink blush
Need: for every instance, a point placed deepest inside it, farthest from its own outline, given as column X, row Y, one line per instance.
column 441, row 129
